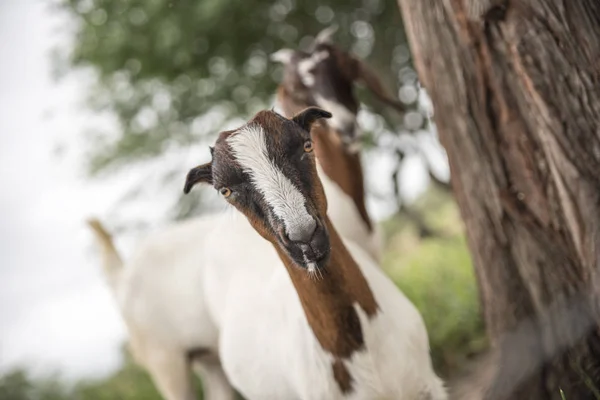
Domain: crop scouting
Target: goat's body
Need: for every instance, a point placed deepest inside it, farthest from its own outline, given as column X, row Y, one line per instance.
column 165, row 298
column 160, row 296
column 160, row 287
column 269, row 351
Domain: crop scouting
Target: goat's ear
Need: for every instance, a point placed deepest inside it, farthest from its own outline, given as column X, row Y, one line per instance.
column 283, row 56
column 323, row 37
column 326, row 35
column 362, row 72
column 200, row 174
column 308, row 116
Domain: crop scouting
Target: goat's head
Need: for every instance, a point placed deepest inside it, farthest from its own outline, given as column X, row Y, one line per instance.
column 324, row 76
column 300, row 66
column 318, row 78
column 315, row 66
column 267, row 170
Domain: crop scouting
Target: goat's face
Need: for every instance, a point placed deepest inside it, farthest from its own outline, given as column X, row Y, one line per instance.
column 266, row 169
column 318, row 78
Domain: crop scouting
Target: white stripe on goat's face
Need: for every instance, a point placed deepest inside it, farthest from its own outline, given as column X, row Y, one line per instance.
column 249, row 148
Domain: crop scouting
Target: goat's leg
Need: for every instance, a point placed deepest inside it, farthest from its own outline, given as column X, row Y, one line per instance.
column 170, row 370
column 214, row 381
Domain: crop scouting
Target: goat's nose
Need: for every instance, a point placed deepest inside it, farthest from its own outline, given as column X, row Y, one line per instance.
column 303, row 230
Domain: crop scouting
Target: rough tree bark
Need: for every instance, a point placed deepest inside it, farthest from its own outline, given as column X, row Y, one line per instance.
column 516, row 91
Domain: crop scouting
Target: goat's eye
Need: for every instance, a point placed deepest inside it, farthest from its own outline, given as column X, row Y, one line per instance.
column 225, row 192
column 308, row 146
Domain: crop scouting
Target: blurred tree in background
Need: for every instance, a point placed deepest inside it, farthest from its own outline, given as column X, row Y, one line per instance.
column 175, row 72
column 19, row 385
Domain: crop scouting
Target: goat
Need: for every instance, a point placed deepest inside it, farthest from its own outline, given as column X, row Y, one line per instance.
column 328, row 323
column 160, row 291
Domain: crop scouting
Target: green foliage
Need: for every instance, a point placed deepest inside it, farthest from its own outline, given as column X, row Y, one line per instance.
column 130, row 382
column 163, row 65
column 18, row 385
column 436, row 274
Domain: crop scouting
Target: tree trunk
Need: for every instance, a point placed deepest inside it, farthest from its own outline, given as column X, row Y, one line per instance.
column 516, row 91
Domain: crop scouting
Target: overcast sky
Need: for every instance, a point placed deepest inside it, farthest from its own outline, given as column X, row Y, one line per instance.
column 55, row 311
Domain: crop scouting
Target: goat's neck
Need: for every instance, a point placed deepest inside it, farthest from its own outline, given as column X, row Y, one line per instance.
column 342, row 167
column 329, row 298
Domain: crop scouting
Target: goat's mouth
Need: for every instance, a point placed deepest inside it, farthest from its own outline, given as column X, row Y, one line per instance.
column 311, row 254
column 313, row 260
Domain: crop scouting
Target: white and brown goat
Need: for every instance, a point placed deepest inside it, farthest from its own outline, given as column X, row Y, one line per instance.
column 321, row 320
column 164, row 292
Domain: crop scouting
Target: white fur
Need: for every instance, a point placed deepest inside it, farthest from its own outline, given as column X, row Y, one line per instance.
column 250, row 150
column 283, row 56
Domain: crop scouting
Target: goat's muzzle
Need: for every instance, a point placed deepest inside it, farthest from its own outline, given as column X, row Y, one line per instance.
column 311, row 249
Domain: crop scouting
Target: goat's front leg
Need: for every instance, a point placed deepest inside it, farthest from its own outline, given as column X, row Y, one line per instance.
column 214, row 381
column 170, row 370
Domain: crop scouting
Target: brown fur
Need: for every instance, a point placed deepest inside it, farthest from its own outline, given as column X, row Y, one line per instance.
column 328, row 302
column 355, row 69
column 342, row 376
column 198, row 353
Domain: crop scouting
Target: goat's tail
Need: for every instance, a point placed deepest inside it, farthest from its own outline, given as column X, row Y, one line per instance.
column 111, row 259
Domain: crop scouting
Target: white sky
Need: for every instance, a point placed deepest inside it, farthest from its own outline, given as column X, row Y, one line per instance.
column 55, row 311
